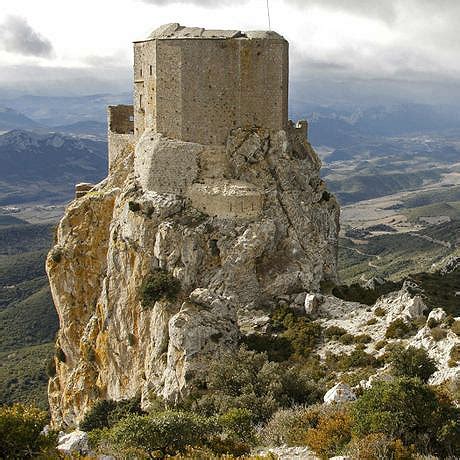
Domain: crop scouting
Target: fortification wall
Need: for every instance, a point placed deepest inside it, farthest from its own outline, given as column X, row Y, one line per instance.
column 227, row 199
column 120, row 132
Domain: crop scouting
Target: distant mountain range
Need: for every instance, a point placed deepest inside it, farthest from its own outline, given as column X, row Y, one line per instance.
column 336, row 128
column 12, row 119
column 36, row 166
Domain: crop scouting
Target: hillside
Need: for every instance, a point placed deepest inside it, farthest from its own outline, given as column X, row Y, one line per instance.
column 45, row 167
column 28, row 320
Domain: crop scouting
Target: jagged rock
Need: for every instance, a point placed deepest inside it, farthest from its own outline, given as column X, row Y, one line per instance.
column 312, row 303
column 111, row 239
column 401, row 304
column 75, row 442
column 374, row 282
column 339, row 393
column 450, row 265
column 438, row 315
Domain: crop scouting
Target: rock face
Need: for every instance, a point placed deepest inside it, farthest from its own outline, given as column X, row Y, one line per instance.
column 231, row 267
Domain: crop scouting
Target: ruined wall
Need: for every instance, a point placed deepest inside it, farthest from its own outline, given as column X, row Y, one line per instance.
column 120, row 132
column 197, row 90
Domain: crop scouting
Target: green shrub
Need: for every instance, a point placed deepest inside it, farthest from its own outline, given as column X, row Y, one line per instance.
column 380, row 344
column 247, row 380
column 357, row 358
column 398, row 329
column 334, row 332
column 237, row 424
column 20, row 428
column 347, row 339
column 455, row 354
column 363, row 338
column 456, row 327
column 159, row 285
column 438, row 333
column 412, row 362
column 162, row 434
column 411, row 411
column 105, row 413
column 277, row 348
column 379, row 311
column 371, row 322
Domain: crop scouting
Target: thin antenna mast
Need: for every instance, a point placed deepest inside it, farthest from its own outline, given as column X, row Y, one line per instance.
column 268, row 14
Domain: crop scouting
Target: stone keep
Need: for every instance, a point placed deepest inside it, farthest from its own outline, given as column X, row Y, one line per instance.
column 195, row 85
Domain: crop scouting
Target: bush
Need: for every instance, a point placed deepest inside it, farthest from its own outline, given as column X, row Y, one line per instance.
column 412, row 362
column 105, row 413
column 380, row 344
column 455, row 354
column 374, row 446
column 398, row 329
column 357, row 358
column 277, row 348
column 438, row 333
column 379, row 311
column 165, row 433
column 334, row 332
column 371, row 322
column 363, row 338
column 332, row 432
column 290, row 426
column 20, row 428
column 246, row 379
column 159, row 285
column 456, row 327
column 237, row 424
column 347, row 339
column 411, row 411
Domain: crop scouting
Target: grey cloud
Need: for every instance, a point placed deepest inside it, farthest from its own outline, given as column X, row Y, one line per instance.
column 17, row 36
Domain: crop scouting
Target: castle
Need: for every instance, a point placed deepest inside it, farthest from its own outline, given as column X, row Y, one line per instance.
column 208, row 182
column 191, row 88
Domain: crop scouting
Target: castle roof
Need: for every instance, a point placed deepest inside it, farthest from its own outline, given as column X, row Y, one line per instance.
column 176, row 31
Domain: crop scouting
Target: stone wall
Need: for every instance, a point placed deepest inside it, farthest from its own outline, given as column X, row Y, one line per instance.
column 198, row 89
column 121, row 132
column 227, row 199
column 121, row 119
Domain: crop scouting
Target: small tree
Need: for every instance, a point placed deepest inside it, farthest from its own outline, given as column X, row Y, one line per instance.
column 159, row 285
column 412, row 362
column 411, row 411
column 162, row 434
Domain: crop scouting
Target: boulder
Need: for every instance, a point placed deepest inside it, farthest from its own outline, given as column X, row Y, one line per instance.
column 339, row 393
column 312, row 303
column 74, row 442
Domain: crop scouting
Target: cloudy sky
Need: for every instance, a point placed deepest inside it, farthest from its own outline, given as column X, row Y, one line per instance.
column 357, row 46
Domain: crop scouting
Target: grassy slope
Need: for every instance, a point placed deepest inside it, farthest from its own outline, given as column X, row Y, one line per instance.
column 28, row 321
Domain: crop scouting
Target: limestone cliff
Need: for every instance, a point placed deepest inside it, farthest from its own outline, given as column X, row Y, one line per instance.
column 250, row 223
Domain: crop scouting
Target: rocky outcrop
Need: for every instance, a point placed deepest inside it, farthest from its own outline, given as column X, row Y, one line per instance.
column 234, row 265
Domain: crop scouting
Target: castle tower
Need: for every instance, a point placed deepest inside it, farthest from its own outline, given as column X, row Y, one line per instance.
column 195, row 85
